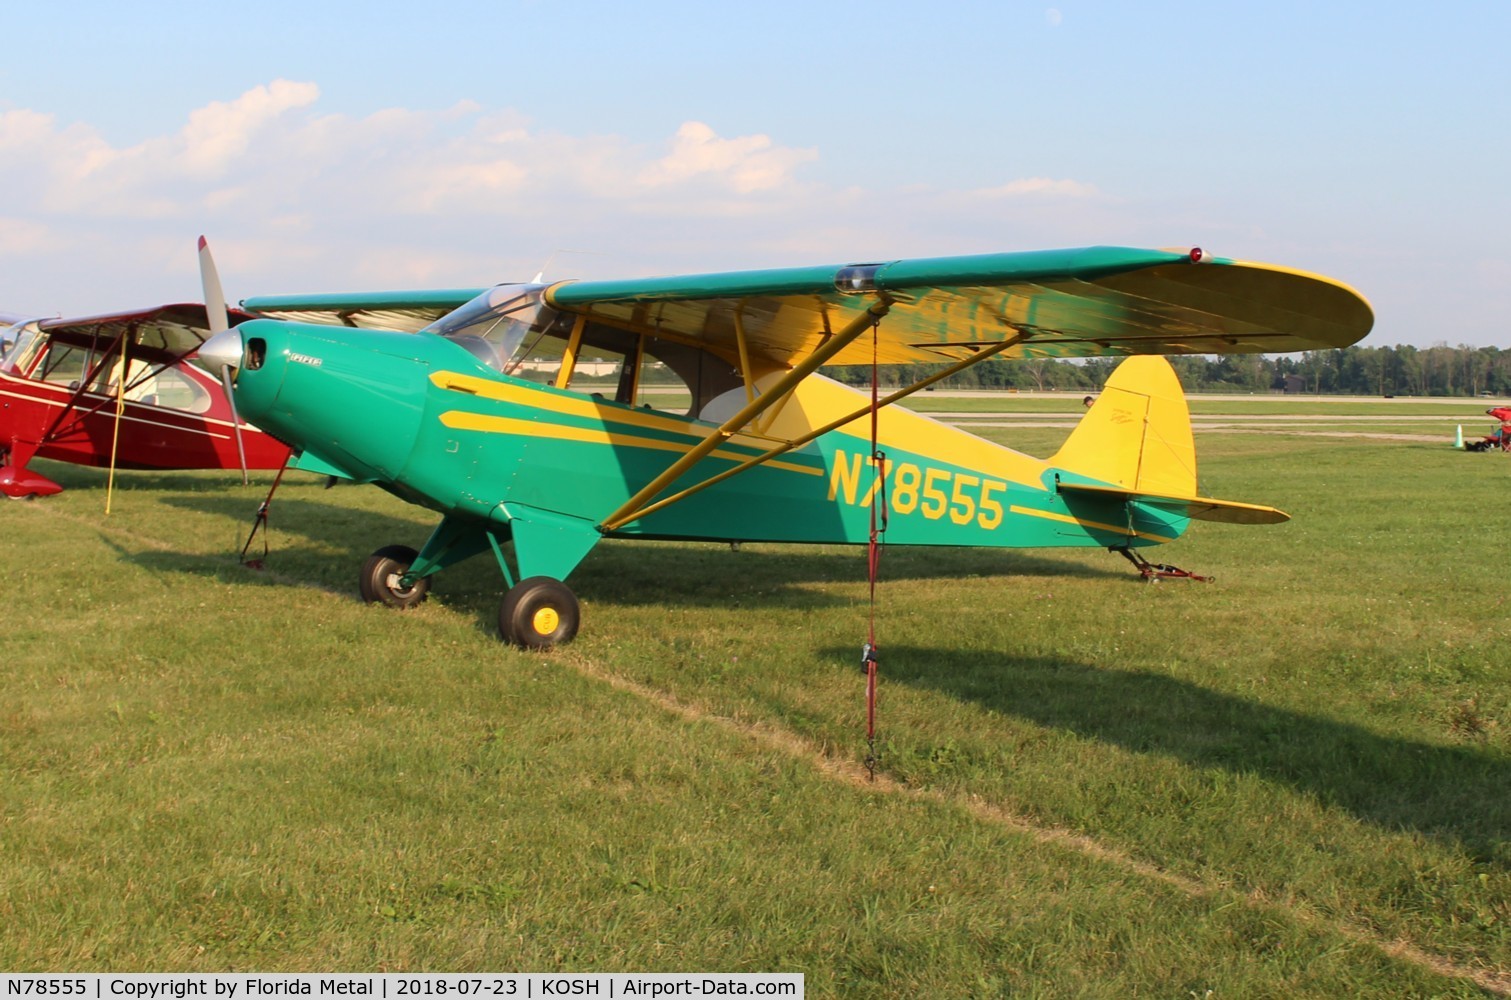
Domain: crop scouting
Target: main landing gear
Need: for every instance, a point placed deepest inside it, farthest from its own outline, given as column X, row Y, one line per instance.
column 536, row 613
column 382, row 580
column 539, row 613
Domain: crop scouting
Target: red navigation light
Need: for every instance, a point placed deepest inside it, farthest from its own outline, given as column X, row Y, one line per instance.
column 1199, row 256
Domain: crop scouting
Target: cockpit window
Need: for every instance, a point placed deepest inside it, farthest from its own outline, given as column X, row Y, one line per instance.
column 23, row 342
column 510, row 329
column 505, row 327
column 167, row 387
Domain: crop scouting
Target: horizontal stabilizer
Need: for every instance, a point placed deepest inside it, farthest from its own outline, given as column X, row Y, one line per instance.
column 1198, row 508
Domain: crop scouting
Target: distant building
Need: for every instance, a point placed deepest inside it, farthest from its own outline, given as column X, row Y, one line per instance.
column 1294, row 383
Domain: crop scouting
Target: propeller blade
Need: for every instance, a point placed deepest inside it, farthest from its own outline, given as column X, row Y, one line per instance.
column 215, row 298
column 215, row 312
column 241, row 451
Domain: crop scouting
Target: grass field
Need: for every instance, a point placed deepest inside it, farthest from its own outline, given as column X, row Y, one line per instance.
column 1293, row 782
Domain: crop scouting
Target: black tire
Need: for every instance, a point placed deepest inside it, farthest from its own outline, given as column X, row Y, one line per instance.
column 379, row 582
column 539, row 613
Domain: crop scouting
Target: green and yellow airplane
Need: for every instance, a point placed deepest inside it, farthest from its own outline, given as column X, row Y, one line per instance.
column 526, row 416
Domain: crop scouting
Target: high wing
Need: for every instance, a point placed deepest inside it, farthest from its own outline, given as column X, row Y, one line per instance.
column 402, row 311
column 1094, row 301
column 1086, row 302
column 163, row 333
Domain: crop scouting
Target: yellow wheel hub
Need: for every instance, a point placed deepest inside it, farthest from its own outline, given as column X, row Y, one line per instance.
column 545, row 621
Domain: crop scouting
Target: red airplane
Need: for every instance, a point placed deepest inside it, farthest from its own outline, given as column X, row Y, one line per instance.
column 1500, row 437
column 118, row 390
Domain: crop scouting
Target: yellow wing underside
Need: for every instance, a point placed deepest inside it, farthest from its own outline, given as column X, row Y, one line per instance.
column 1172, row 306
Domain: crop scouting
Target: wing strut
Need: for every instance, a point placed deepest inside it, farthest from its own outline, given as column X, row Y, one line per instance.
column 632, row 509
column 787, row 446
column 120, row 408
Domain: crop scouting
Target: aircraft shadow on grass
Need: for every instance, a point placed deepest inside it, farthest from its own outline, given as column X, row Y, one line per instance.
column 1454, row 793
column 637, row 573
column 81, row 478
column 625, row 574
column 1449, row 793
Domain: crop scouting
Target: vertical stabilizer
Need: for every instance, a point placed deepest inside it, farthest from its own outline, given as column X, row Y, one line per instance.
column 1137, row 434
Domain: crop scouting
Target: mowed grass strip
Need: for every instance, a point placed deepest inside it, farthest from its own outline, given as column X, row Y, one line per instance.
column 214, row 769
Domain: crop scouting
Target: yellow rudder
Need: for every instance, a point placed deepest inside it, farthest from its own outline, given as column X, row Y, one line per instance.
column 1137, row 434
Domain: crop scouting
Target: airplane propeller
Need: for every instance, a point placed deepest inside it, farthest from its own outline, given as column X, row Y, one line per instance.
column 223, row 348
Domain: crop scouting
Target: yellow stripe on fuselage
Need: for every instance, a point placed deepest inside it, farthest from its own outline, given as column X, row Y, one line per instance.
column 1119, row 529
column 463, row 420
column 815, row 402
column 576, row 406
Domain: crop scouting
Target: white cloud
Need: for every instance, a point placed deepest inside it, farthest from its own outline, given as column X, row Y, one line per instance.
column 24, row 238
column 22, row 129
column 1042, row 186
column 746, row 163
column 295, row 199
column 458, row 185
column 219, row 131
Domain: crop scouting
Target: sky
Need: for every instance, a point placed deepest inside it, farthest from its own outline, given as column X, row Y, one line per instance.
column 333, row 147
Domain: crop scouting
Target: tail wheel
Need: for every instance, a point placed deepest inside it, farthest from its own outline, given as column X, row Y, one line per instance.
column 539, row 613
column 382, row 573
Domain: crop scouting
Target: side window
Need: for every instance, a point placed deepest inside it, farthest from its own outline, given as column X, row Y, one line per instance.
column 167, row 387
column 104, row 375
column 662, row 374
column 684, row 379
column 602, row 372
column 661, row 387
column 538, row 359
column 606, row 364
column 63, row 364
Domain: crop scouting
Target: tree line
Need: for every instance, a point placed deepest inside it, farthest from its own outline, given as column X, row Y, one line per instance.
column 1402, row 370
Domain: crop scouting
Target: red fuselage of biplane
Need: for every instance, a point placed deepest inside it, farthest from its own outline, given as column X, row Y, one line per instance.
column 63, row 423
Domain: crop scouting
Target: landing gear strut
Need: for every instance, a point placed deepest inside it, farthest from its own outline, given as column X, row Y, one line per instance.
column 537, row 613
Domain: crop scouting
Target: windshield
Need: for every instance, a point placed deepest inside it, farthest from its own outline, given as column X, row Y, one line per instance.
column 18, row 345
column 502, row 326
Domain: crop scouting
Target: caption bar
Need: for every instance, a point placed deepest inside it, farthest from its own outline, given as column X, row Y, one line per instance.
column 398, row 986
